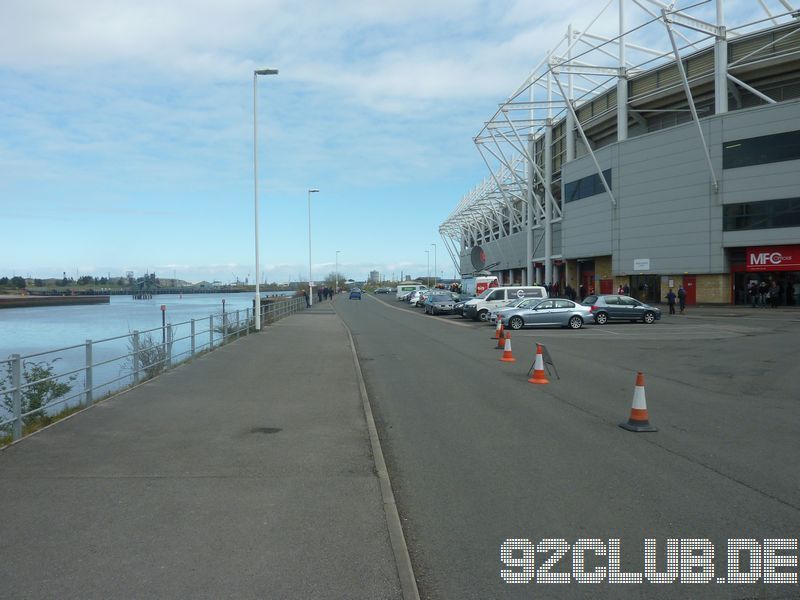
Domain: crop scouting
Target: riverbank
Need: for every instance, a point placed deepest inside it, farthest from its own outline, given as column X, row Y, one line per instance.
column 28, row 301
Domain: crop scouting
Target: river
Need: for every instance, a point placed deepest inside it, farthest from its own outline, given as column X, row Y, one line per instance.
column 35, row 330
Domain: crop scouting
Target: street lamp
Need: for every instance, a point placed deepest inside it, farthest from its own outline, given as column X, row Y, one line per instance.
column 256, row 73
column 434, row 264
column 310, row 284
column 336, row 272
column 428, row 252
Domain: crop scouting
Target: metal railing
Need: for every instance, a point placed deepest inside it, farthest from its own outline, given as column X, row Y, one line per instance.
column 25, row 397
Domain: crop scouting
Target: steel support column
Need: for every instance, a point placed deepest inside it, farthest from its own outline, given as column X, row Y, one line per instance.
column 548, row 202
column 721, row 64
column 622, row 80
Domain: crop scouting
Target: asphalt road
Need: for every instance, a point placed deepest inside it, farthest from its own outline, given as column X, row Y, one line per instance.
column 477, row 455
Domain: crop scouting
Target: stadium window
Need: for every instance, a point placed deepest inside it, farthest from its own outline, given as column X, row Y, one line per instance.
column 761, row 150
column 766, row 214
column 591, row 185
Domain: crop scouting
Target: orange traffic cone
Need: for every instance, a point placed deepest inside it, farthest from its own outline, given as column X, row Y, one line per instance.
column 507, row 356
column 539, row 375
column 498, row 330
column 638, row 420
column 501, row 340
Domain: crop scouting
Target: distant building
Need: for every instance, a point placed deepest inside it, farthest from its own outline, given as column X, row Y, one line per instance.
column 374, row 277
column 407, row 278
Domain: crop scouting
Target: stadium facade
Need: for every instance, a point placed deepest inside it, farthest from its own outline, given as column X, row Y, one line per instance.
column 617, row 163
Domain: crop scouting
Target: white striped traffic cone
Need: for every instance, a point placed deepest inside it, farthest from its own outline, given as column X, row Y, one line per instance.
column 507, row 355
column 539, row 375
column 639, row 420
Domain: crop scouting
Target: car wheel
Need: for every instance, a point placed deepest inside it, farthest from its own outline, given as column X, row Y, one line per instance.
column 575, row 322
column 601, row 318
column 649, row 317
column 483, row 315
column 516, row 323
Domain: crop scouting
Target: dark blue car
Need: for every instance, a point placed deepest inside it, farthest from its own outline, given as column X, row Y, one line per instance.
column 355, row 294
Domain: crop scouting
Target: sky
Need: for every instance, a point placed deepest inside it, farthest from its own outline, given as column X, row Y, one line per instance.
column 126, row 130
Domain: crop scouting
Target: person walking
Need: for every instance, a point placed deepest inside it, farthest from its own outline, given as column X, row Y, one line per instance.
column 305, row 295
column 682, row 298
column 774, row 294
column 671, row 301
column 752, row 292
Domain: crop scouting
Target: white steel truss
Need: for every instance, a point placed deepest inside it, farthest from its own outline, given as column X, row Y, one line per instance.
column 516, row 143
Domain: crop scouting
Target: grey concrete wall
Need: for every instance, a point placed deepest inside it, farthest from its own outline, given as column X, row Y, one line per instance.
column 667, row 210
column 508, row 251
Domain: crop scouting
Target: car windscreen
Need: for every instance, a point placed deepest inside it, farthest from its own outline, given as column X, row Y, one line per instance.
column 529, row 302
column 441, row 298
column 485, row 293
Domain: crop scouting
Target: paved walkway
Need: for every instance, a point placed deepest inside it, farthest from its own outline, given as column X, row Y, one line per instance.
column 244, row 474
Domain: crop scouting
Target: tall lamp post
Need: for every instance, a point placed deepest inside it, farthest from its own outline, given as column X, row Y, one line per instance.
column 336, row 289
column 256, row 73
column 428, row 252
column 310, row 283
column 434, row 264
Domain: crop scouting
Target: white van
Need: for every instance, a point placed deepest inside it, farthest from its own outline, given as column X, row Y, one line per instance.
column 409, row 286
column 478, row 308
column 475, row 286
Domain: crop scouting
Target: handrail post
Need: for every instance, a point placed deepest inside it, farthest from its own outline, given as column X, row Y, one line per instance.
column 238, row 326
column 193, row 340
column 168, row 349
column 136, row 357
column 88, row 379
column 16, row 395
column 210, row 332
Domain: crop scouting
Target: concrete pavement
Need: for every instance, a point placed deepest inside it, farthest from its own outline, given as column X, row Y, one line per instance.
column 246, row 473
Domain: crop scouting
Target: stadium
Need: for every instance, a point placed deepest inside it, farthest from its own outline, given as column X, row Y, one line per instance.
column 665, row 155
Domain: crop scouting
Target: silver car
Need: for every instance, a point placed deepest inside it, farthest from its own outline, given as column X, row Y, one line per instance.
column 518, row 303
column 437, row 304
column 547, row 313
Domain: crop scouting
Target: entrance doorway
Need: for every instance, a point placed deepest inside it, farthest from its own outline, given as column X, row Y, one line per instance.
column 646, row 288
column 690, row 285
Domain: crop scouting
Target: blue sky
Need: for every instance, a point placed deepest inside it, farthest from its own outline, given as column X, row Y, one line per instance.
column 126, row 131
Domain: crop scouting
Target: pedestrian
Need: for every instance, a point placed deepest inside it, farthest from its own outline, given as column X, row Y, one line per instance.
column 620, row 290
column 763, row 288
column 581, row 292
column 752, row 293
column 626, row 290
column 671, row 301
column 774, row 294
column 682, row 298
column 305, row 295
column 319, row 294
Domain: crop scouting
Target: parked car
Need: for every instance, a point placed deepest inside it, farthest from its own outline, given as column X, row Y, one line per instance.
column 612, row 307
column 478, row 308
column 519, row 302
column 415, row 297
column 436, row 304
column 547, row 313
column 355, row 294
column 383, row 290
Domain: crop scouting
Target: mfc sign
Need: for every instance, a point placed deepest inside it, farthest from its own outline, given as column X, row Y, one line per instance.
column 773, row 258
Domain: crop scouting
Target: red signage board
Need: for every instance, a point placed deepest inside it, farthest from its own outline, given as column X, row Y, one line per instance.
column 773, row 258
